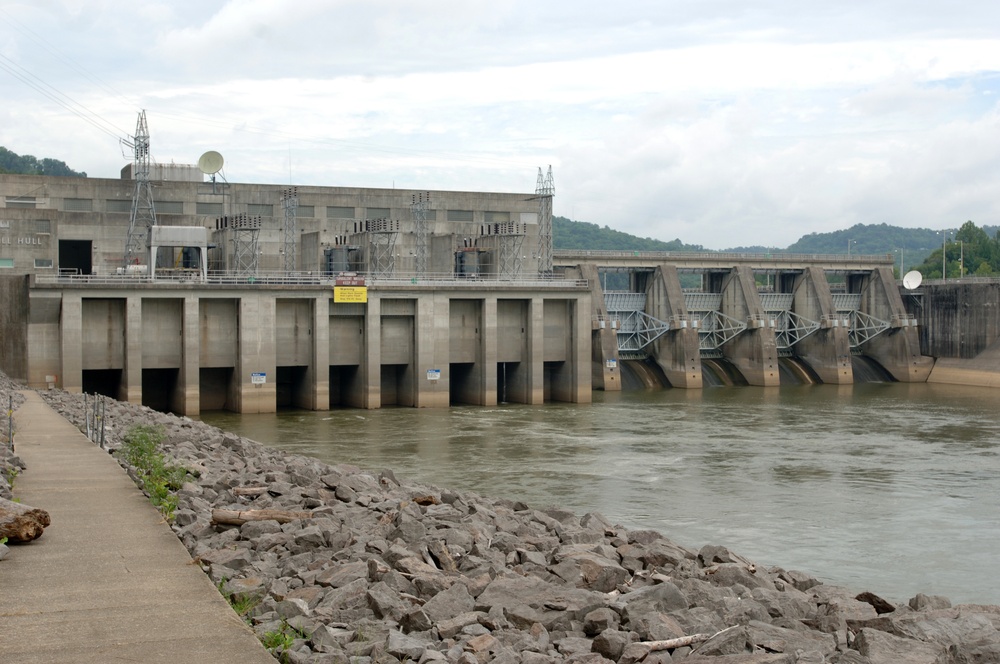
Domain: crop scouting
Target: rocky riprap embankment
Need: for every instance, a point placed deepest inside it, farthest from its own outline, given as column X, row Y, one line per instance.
column 383, row 570
column 10, row 464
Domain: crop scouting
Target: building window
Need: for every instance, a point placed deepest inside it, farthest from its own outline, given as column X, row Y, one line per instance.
column 260, row 210
column 305, row 211
column 118, row 206
column 339, row 212
column 167, row 207
column 78, row 204
column 6, row 262
column 43, row 226
column 24, row 202
column 210, row 209
column 497, row 217
column 431, row 215
column 43, row 263
column 377, row 213
column 459, row 215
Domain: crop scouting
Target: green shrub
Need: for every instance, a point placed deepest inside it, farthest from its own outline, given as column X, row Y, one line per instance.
column 140, row 450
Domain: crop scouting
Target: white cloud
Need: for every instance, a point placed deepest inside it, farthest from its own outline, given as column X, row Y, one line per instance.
column 722, row 123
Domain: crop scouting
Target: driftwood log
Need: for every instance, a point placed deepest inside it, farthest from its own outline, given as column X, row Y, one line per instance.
column 239, row 517
column 21, row 523
column 249, row 490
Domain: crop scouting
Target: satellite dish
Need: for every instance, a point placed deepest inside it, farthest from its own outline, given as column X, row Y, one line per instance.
column 210, row 163
column 912, row 279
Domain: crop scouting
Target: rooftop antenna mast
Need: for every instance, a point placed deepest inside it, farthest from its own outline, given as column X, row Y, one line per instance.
column 142, row 216
column 290, row 202
column 545, row 189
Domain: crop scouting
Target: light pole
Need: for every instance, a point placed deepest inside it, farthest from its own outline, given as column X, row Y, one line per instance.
column 944, row 255
column 849, row 243
column 900, row 263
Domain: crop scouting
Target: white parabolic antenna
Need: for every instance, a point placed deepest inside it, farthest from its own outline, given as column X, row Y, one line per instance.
column 912, row 279
column 210, row 163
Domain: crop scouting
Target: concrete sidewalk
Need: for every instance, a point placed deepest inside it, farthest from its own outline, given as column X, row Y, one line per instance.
column 108, row 581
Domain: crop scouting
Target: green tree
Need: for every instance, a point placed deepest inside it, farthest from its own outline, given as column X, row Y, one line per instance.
column 11, row 162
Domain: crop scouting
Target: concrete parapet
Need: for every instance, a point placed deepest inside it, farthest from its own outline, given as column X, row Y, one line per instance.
column 677, row 351
column 754, row 352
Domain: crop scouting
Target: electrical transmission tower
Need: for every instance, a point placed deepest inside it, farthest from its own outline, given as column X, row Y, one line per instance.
column 142, row 216
column 507, row 240
column 545, row 189
column 379, row 237
column 241, row 233
column 419, row 210
column 290, row 202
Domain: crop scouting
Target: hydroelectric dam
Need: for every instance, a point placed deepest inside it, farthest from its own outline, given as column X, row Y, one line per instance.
column 173, row 288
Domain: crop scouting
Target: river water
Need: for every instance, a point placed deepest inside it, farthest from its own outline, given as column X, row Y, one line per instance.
column 887, row 487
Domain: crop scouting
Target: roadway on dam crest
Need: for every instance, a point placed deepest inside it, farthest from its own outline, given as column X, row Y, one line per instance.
column 108, row 580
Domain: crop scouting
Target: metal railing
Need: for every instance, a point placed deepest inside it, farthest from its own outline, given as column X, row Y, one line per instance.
column 279, row 278
column 720, row 256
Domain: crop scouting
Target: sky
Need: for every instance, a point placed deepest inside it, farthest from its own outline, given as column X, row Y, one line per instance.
column 722, row 123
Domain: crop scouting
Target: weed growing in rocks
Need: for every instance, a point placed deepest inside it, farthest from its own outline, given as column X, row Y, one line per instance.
column 281, row 640
column 241, row 602
column 140, row 450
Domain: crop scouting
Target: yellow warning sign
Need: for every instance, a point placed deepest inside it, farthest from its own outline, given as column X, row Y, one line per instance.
column 350, row 294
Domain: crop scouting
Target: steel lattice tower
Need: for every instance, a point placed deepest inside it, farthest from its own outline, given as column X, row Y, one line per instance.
column 142, row 215
column 244, row 231
column 419, row 209
column 290, row 202
column 510, row 243
column 382, row 234
column 545, row 189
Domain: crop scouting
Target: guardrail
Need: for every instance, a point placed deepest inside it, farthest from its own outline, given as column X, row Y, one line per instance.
column 717, row 256
column 436, row 280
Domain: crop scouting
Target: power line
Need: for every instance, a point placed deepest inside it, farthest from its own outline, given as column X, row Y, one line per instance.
column 64, row 100
column 66, row 60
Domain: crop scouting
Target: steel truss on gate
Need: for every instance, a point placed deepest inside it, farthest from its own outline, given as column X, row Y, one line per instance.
column 714, row 327
column 864, row 328
column 861, row 327
column 789, row 327
column 635, row 328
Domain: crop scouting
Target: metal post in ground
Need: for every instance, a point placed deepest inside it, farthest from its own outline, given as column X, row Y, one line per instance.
column 10, row 421
column 104, row 413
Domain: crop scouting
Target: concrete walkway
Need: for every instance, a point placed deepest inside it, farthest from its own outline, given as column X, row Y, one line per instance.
column 108, row 581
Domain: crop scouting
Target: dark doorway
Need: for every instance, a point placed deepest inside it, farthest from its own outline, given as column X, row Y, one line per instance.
column 215, row 387
column 290, row 387
column 103, row 381
column 74, row 257
column 345, row 386
column 158, row 388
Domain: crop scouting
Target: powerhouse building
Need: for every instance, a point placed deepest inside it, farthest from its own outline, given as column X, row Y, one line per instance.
column 250, row 297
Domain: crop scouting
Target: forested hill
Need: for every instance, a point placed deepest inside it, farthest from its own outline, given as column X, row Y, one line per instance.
column 911, row 245
column 11, row 162
column 567, row 234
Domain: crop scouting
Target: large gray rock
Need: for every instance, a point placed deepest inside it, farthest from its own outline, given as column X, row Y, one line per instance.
column 661, row 598
column 449, row 603
column 405, row 647
column 779, row 639
column 884, row 648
